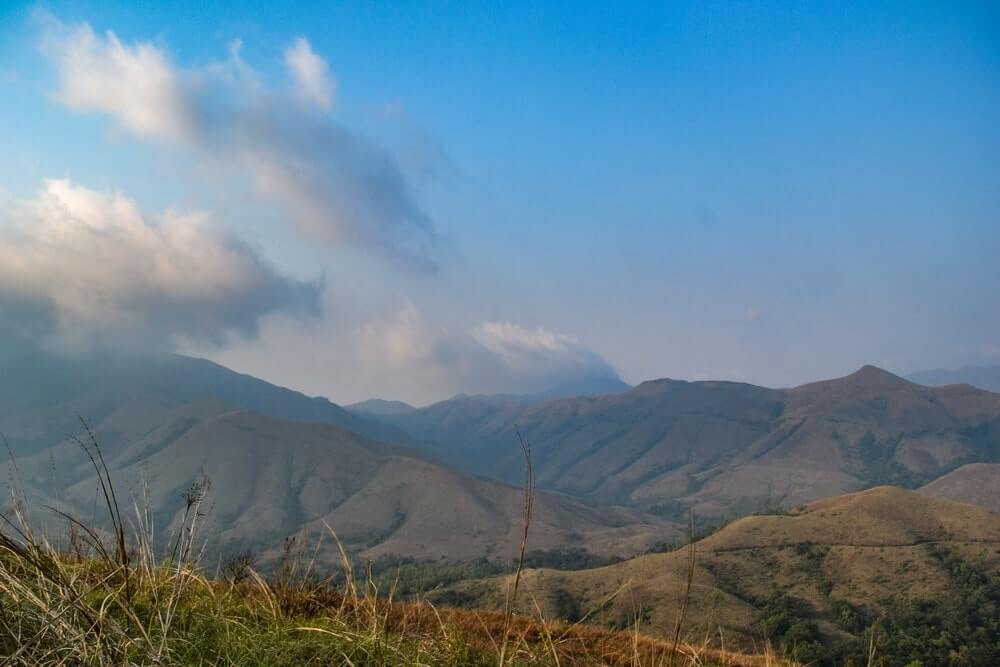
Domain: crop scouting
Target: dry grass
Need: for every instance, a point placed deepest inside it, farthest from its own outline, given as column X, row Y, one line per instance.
column 105, row 597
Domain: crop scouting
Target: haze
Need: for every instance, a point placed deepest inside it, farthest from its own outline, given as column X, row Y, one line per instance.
column 413, row 205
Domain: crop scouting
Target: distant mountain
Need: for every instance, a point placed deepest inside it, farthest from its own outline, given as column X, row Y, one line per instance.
column 838, row 560
column 984, row 377
column 271, row 479
column 975, row 483
column 722, row 448
column 376, row 407
column 587, row 386
column 43, row 396
column 279, row 463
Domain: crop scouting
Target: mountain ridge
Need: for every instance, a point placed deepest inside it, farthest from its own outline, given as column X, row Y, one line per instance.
column 982, row 377
column 723, row 447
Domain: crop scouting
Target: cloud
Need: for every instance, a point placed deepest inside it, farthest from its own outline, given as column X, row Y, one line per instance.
column 78, row 266
column 336, row 184
column 311, row 73
column 493, row 357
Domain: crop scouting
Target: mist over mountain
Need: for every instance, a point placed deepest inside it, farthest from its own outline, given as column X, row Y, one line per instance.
column 44, row 395
column 377, row 407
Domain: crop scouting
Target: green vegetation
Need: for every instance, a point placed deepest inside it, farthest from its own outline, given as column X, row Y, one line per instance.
column 783, row 622
column 880, row 466
column 409, row 578
column 960, row 631
column 566, row 558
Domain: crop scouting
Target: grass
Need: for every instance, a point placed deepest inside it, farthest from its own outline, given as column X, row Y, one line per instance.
column 106, row 596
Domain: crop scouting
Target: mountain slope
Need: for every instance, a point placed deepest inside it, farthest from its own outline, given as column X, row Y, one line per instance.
column 871, row 553
column 42, row 397
column 975, row 483
column 723, row 447
column 272, row 478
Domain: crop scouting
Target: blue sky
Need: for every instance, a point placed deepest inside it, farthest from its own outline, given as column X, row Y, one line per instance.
column 754, row 191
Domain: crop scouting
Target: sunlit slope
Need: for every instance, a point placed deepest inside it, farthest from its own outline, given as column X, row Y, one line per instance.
column 875, row 549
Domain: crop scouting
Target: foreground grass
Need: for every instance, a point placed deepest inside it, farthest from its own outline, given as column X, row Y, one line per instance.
column 71, row 612
column 105, row 598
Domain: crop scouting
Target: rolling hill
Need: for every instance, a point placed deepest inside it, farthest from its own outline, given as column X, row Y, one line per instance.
column 722, row 448
column 837, row 562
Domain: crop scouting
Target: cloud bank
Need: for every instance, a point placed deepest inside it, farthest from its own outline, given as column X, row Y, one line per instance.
column 402, row 354
column 491, row 358
column 80, row 268
column 336, row 184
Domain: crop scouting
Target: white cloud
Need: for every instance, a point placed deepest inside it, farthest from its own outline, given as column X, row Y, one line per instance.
column 400, row 353
column 136, row 84
column 78, row 265
column 492, row 357
column 311, row 73
column 336, row 184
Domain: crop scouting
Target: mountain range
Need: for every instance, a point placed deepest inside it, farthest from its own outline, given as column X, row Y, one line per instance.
column 280, row 464
column 721, row 448
column 616, row 473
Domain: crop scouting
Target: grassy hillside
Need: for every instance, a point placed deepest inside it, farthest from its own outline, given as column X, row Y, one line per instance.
column 96, row 597
column 816, row 581
column 723, row 448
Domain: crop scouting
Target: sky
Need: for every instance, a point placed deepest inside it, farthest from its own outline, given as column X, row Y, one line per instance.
column 412, row 200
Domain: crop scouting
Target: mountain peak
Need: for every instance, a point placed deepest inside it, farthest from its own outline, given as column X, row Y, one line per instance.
column 870, row 371
column 873, row 375
column 866, row 379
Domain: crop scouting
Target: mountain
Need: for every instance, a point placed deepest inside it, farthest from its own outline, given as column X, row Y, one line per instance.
column 836, row 562
column 597, row 385
column 984, row 377
column 376, row 407
column 279, row 463
column 588, row 386
column 722, row 448
column 272, row 478
column 975, row 483
column 43, row 397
